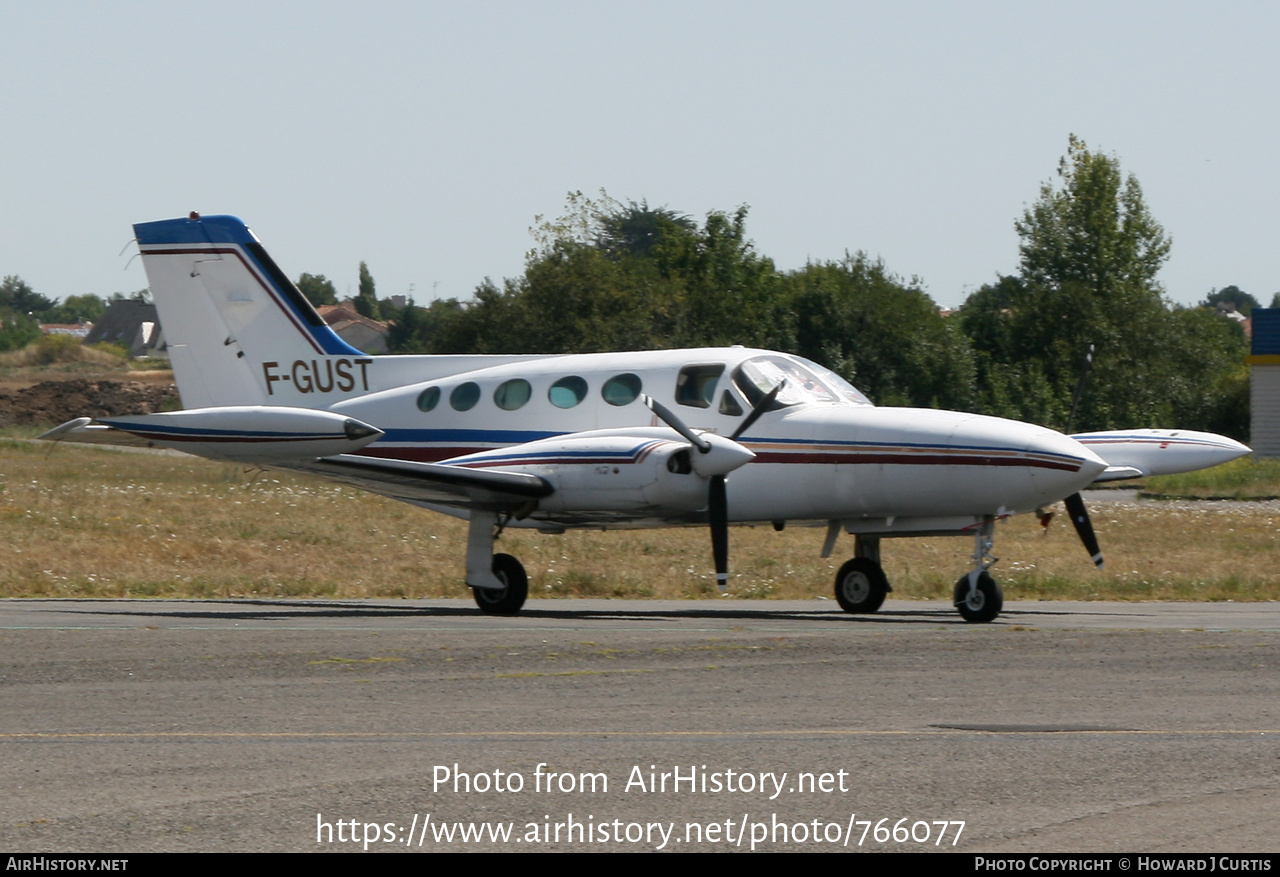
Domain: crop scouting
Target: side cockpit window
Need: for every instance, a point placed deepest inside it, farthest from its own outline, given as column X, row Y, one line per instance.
column 729, row 405
column 696, row 384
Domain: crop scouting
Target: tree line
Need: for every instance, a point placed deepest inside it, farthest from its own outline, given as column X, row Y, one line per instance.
column 22, row 310
column 1084, row 304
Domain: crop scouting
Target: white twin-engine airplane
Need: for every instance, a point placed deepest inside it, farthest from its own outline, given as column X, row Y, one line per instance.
column 709, row 436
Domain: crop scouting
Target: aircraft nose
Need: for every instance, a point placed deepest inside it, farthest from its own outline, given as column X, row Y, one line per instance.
column 1067, row 466
column 1036, row 465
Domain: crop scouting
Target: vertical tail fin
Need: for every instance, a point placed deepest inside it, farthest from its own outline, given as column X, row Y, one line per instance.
column 239, row 332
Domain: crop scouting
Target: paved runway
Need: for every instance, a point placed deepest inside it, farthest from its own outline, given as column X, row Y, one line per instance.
column 256, row 725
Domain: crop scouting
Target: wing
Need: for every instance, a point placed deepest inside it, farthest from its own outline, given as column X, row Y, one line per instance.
column 435, row 483
column 316, row 442
column 593, row 478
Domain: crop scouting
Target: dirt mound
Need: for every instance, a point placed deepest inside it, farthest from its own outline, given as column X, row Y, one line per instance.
column 53, row 402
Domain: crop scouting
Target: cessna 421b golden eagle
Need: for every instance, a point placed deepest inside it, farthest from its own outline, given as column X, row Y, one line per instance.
column 709, row 436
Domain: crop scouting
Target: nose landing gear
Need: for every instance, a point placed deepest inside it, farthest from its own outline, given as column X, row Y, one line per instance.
column 977, row 596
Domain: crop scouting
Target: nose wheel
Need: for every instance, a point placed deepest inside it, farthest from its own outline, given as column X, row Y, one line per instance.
column 861, row 586
column 981, row 602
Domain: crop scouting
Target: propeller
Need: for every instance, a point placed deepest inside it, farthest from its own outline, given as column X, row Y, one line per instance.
column 1075, row 502
column 1080, row 519
column 717, row 456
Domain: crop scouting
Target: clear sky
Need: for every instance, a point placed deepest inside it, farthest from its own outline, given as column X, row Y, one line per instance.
column 424, row 138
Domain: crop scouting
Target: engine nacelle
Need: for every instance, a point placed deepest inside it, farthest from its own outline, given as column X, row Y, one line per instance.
column 606, row 470
column 1162, row 451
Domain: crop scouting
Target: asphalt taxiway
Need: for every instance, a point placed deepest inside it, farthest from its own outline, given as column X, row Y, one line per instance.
column 250, row 725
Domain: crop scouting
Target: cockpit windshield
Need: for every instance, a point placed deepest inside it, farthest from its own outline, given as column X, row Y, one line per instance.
column 807, row 382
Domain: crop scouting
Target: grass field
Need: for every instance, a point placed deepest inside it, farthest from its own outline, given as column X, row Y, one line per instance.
column 1249, row 478
column 92, row 522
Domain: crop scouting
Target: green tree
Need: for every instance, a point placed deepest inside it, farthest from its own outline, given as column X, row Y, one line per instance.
column 614, row 276
column 17, row 331
column 318, row 289
column 1231, row 295
column 637, row 229
column 77, row 308
column 367, row 301
column 17, row 296
column 883, row 335
column 1090, row 252
column 1093, row 228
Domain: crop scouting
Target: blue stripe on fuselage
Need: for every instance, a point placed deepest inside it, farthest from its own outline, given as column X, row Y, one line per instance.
column 502, row 437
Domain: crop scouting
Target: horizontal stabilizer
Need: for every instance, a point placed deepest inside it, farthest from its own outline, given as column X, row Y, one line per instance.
column 244, row 434
column 83, row 431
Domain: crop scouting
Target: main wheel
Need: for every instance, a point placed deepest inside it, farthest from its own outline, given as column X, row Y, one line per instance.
column 508, row 600
column 861, row 586
column 984, row 604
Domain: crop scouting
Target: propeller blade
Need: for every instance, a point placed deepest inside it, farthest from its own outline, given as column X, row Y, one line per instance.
column 718, row 513
column 759, row 409
column 1080, row 518
column 670, row 419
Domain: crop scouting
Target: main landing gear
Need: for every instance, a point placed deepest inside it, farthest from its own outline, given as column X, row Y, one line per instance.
column 498, row 581
column 861, row 585
column 510, row 598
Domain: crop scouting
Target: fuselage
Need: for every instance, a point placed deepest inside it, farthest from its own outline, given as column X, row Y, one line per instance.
column 823, row 452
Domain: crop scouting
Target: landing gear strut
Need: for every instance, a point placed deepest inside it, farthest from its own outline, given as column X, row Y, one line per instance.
column 498, row 581
column 977, row 596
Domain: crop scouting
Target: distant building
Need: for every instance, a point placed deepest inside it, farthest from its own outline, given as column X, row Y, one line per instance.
column 359, row 331
column 131, row 324
column 78, row 330
column 1264, row 382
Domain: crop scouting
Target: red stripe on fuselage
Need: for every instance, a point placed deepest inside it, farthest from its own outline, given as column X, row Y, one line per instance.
column 912, row 459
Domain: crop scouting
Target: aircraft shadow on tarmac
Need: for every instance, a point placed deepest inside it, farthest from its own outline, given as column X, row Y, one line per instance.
column 294, row 610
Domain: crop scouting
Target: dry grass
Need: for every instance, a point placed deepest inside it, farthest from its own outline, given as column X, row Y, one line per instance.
column 59, row 357
column 54, row 349
column 84, row 521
